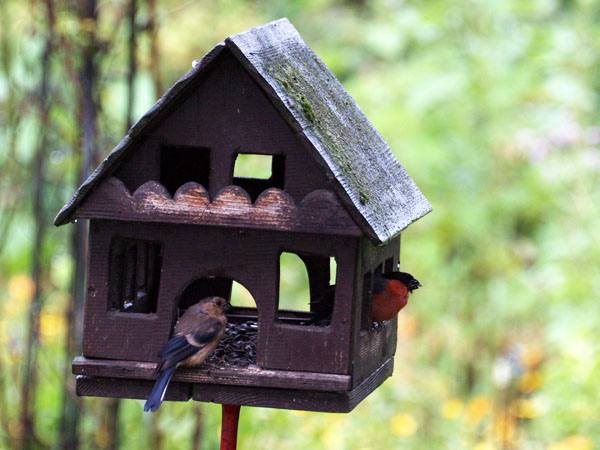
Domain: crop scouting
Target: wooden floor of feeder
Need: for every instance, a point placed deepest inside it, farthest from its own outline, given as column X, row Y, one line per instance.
column 310, row 391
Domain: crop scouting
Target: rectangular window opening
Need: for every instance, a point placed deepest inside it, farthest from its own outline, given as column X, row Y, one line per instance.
column 179, row 165
column 135, row 267
column 389, row 265
column 256, row 173
column 332, row 270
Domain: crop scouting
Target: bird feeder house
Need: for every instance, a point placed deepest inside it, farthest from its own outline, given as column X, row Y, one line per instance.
column 171, row 223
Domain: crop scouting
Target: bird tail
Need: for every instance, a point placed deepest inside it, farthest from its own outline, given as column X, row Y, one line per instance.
column 158, row 391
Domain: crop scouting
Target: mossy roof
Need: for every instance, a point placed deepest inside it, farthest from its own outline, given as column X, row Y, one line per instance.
column 376, row 189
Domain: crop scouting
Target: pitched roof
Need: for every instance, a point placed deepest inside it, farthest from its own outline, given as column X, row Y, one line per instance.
column 377, row 190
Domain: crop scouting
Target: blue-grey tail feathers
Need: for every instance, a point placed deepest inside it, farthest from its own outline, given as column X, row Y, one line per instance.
column 158, row 391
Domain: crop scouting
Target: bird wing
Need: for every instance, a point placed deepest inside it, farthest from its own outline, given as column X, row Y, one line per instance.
column 181, row 347
column 204, row 333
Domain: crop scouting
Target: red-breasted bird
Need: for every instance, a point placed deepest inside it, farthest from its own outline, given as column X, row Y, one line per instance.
column 196, row 336
column 390, row 295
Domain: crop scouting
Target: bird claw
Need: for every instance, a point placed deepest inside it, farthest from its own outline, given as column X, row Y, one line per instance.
column 377, row 326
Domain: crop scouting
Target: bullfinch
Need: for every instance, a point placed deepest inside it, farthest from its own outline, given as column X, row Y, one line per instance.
column 196, row 336
column 390, row 295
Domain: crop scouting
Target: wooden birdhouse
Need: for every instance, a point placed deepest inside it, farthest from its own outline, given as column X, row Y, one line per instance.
column 171, row 223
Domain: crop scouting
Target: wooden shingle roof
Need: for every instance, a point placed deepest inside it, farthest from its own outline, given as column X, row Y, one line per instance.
column 376, row 189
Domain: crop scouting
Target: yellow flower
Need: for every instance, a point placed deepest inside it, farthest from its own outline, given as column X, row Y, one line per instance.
column 505, row 427
column 52, row 327
column 404, row 425
column 452, row 409
column 477, row 408
column 573, row 443
column 530, row 382
column 524, row 408
column 21, row 289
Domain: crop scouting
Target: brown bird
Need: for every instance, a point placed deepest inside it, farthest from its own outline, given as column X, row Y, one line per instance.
column 196, row 336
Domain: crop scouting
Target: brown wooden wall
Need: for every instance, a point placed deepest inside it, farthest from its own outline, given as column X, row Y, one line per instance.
column 372, row 346
column 251, row 258
column 228, row 113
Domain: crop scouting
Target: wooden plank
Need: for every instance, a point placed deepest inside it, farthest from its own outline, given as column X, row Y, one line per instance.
column 370, row 383
column 308, row 400
column 215, row 375
column 272, row 398
column 372, row 346
column 340, row 402
column 318, row 212
column 128, row 388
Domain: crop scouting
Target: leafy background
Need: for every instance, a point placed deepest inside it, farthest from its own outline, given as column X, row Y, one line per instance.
column 492, row 107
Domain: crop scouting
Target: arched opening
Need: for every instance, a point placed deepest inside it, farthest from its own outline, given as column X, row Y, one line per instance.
column 238, row 346
column 306, row 289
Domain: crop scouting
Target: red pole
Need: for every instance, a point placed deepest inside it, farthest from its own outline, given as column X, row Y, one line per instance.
column 229, row 426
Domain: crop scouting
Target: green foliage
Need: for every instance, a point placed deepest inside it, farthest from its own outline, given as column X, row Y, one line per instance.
column 491, row 106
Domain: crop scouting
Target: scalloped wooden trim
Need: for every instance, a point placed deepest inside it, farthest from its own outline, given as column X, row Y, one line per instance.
column 318, row 212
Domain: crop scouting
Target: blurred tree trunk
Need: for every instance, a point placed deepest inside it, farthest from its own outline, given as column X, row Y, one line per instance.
column 152, row 29
column 156, row 436
column 87, row 124
column 29, row 380
column 198, row 427
column 13, row 111
column 154, row 50
column 132, row 70
column 113, row 405
column 112, row 423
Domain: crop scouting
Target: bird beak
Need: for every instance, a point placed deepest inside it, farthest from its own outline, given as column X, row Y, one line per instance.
column 226, row 306
column 415, row 285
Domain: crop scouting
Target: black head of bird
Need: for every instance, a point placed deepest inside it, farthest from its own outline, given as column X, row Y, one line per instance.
column 407, row 279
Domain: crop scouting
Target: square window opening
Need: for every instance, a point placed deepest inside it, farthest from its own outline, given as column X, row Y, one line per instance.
column 135, row 267
column 256, row 173
column 179, row 165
